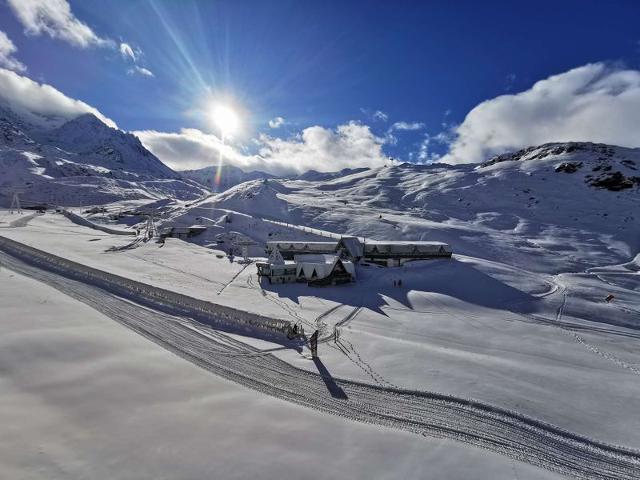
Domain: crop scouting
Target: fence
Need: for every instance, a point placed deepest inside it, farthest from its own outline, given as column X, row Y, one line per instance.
column 148, row 293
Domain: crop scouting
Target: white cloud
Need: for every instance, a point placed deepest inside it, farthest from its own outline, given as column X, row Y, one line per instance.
column 190, row 149
column 54, row 18
column 594, row 103
column 424, row 153
column 7, row 49
column 141, row 71
column 407, row 126
column 134, row 55
column 276, row 122
column 315, row 148
column 380, row 115
column 127, row 52
column 391, row 139
column 34, row 101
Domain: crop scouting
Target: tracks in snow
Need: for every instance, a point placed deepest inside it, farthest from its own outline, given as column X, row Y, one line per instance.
column 581, row 340
column 424, row 413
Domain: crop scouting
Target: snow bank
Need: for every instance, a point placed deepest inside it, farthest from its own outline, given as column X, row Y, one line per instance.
column 141, row 291
column 75, row 218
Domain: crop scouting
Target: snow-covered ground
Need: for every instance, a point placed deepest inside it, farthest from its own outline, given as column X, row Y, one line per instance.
column 468, row 327
column 83, row 397
column 516, row 319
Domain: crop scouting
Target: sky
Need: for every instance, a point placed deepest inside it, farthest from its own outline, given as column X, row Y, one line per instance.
column 330, row 85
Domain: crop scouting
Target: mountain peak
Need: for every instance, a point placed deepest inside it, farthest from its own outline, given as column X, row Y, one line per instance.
column 545, row 150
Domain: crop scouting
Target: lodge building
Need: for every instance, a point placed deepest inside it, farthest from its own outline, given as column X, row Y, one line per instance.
column 383, row 252
column 333, row 262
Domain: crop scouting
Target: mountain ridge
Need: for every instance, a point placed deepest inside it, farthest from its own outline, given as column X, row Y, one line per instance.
column 83, row 160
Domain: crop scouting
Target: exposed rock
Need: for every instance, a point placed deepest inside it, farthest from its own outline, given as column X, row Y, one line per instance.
column 615, row 181
column 569, row 167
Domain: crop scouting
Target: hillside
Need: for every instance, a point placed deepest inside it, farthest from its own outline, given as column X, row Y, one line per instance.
column 553, row 207
column 229, row 177
column 81, row 161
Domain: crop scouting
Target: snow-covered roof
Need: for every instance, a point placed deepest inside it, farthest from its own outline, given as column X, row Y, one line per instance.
column 404, row 242
column 315, row 258
column 408, row 248
column 323, row 265
column 299, row 244
column 293, row 246
column 353, row 245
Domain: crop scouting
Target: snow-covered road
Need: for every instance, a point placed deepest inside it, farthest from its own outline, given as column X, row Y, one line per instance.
column 425, row 413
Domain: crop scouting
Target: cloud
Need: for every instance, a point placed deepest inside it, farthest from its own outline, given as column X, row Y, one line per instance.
column 391, row 139
column 316, row 148
column 134, row 55
column 34, row 101
column 127, row 52
column 141, row 71
column 406, row 126
column 593, row 103
column 426, row 153
column 276, row 122
column 190, row 149
column 7, row 49
column 54, row 18
column 380, row 115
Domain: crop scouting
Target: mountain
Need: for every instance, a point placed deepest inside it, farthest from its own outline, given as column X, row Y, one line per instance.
column 317, row 176
column 556, row 207
column 81, row 161
column 107, row 147
column 229, row 177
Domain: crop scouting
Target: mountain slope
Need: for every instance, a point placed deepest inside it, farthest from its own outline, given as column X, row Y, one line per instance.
column 552, row 207
column 82, row 161
column 229, row 177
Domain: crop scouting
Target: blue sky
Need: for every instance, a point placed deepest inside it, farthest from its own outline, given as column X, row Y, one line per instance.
column 424, row 65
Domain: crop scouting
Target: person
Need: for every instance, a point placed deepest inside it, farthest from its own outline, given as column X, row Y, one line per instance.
column 394, row 283
column 400, row 282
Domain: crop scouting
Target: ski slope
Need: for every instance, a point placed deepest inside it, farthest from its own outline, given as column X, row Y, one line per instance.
column 83, row 397
column 517, row 320
column 424, row 413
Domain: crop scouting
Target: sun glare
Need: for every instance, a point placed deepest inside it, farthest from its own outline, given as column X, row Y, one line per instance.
column 225, row 119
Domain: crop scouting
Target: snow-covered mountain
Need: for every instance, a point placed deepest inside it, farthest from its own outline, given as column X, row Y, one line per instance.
column 577, row 203
column 229, row 177
column 81, row 161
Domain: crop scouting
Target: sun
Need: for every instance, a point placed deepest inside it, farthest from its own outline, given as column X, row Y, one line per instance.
column 225, row 119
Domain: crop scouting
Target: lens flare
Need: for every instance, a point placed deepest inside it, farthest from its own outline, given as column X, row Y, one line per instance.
column 225, row 119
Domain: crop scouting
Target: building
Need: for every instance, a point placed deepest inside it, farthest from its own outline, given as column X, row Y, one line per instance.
column 384, row 252
column 288, row 249
column 332, row 263
column 324, row 269
column 395, row 253
column 277, row 273
column 182, row 232
column 350, row 247
column 314, row 269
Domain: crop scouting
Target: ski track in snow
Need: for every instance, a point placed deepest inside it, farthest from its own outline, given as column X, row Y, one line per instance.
column 288, row 309
column 589, row 346
column 425, row 413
